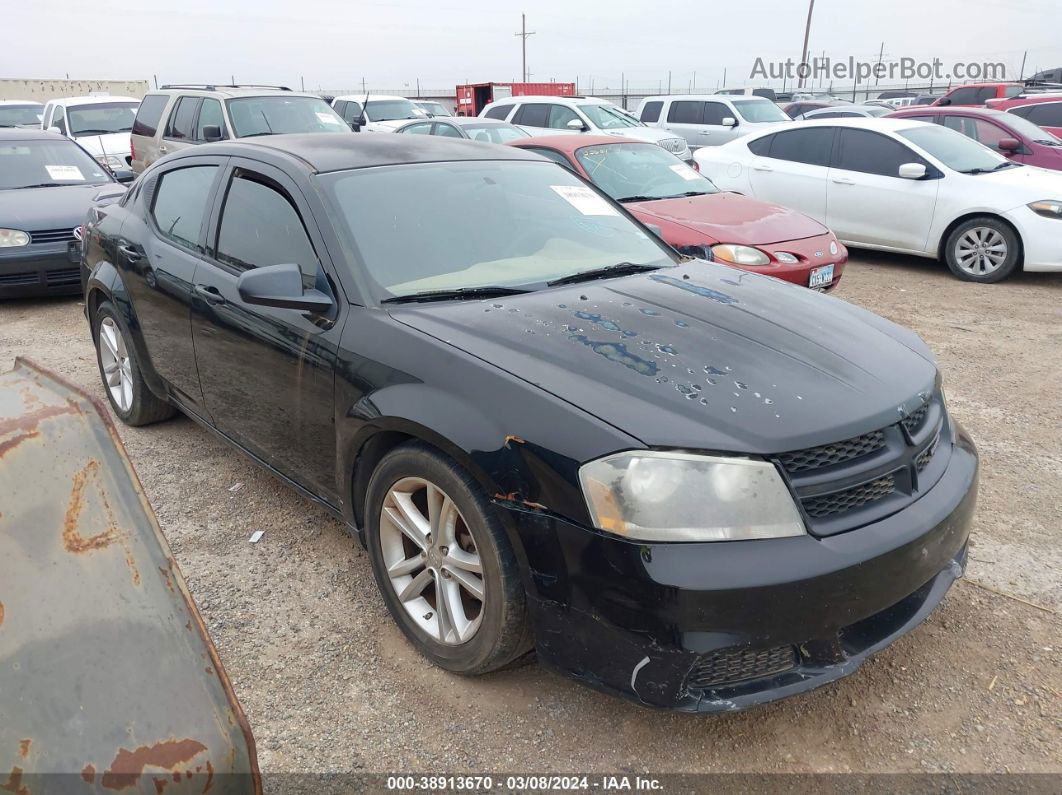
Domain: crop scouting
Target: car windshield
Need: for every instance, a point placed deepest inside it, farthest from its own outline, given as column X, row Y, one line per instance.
column 955, row 150
column 494, row 133
column 35, row 164
column 875, row 110
column 20, row 115
column 434, row 108
column 277, row 115
column 641, row 172
column 482, row 223
column 1031, row 130
column 101, row 118
column 390, row 109
column 605, row 118
column 759, row 110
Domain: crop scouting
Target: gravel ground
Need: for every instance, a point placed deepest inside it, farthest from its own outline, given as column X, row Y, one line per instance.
column 329, row 683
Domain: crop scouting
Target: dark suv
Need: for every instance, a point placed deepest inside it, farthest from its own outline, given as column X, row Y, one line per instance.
column 693, row 486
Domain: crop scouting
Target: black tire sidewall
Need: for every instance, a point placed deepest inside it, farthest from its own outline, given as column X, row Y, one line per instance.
column 1014, row 250
column 501, row 633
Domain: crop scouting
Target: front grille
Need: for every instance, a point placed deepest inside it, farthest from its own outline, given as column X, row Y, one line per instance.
column 855, row 497
column 13, row 279
column 674, row 145
column 913, row 421
column 926, row 455
column 738, row 665
column 830, row 454
column 65, row 276
column 52, row 235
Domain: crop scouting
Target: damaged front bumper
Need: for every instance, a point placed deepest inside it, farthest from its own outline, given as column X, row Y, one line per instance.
column 718, row 627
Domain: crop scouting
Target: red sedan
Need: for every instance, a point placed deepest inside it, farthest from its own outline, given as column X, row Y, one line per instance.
column 694, row 216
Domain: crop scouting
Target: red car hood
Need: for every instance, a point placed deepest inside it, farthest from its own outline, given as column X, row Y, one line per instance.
column 731, row 218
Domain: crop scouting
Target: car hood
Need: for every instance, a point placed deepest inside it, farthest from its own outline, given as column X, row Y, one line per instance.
column 1022, row 185
column 763, row 125
column 389, row 125
column 731, row 218
column 111, row 144
column 698, row 356
column 651, row 134
column 31, row 209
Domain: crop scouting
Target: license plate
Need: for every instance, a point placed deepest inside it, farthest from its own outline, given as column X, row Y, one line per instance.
column 821, row 277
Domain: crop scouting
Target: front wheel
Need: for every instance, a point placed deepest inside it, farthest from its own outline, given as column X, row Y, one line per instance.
column 983, row 250
column 444, row 563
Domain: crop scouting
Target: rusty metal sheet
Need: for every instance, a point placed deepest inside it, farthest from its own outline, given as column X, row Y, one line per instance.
column 108, row 679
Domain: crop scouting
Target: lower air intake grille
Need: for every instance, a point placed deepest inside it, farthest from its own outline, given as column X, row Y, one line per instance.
column 66, row 276
column 737, row 665
column 839, row 501
column 12, row 279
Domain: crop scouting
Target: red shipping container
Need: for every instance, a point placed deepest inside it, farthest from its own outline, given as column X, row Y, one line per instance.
column 472, row 98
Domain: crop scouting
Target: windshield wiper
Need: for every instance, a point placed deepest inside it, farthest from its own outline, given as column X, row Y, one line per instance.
column 458, row 293
column 93, row 132
column 619, row 269
column 639, row 199
column 685, row 195
column 40, row 185
column 1007, row 164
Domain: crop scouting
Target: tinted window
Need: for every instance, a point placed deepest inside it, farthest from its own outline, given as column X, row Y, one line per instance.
column 182, row 119
column 181, row 201
column 149, row 114
column 447, row 130
column 552, row 154
column 209, row 116
column 964, row 96
column 424, row 128
column 532, row 115
column 929, row 119
column 859, row 150
column 340, row 107
column 831, row 114
column 811, row 146
column 715, row 112
column 761, row 146
column 260, row 227
column 559, row 116
column 685, row 112
column 651, row 111
column 1046, row 115
column 987, row 93
column 1023, row 110
column 498, row 112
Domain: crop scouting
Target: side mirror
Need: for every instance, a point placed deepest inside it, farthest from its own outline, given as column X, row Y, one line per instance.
column 944, row 101
column 1009, row 144
column 211, row 133
column 54, row 129
column 576, row 125
column 912, row 170
column 280, row 286
column 729, row 121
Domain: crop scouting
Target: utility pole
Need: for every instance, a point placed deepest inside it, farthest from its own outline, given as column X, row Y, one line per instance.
column 1023, row 57
column 363, row 86
column 881, row 53
column 807, row 34
column 724, row 77
column 523, row 34
column 668, row 81
column 302, row 82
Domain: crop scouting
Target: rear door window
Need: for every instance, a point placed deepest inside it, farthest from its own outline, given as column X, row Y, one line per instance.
column 964, row 96
column 181, row 126
column 149, row 114
column 811, row 146
column 685, row 112
column 180, row 203
column 498, row 112
column 532, row 115
column 1047, row 115
column 651, row 111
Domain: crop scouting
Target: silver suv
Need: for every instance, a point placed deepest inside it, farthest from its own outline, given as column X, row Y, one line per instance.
column 710, row 119
column 174, row 117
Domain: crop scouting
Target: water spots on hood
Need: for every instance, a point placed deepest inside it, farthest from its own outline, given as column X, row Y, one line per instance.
column 706, row 292
column 604, row 323
column 617, row 352
column 651, row 312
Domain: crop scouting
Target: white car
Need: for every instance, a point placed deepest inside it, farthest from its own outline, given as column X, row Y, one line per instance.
column 100, row 124
column 377, row 112
column 20, row 113
column 565, row 115
column 710, row 119
column 905, row 186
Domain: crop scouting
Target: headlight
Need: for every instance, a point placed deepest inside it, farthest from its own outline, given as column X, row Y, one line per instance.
column 12, row 238
column 645, row 495
column 1047, row 208
column 740, row 255
column 786, row 257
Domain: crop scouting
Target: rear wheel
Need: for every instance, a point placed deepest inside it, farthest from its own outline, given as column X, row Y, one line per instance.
column 983, row 249
column 444, row 563
column 123, row 382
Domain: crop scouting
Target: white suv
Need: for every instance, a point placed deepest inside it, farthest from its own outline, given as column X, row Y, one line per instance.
column 710, row 119
column 560, row 115
column 379, row 114
column 100, row 124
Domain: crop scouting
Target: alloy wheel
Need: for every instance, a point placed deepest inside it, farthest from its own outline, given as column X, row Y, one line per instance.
column 981, row 250
column 432, row 561
column 117, row 368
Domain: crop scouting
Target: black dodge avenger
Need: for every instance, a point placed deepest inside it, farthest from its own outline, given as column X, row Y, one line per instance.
column 693, row 486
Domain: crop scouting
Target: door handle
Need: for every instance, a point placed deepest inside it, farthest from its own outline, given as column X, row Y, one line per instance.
column 162, row 148
column 762, row 168
column 705, row 132
column 844, row 181
column 131, row 254
column 209, row 294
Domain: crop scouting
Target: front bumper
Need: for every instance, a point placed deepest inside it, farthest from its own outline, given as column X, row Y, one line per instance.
column 40, row 269
column 1041, row 239
column 812, row 253
column 724, row 626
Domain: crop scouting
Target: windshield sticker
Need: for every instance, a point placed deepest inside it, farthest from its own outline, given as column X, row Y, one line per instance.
column 584, row 200
column 685, row 171
column 65, row 172
column 328, row 118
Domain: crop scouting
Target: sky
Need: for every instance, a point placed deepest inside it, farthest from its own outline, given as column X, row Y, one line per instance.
column 334, row 45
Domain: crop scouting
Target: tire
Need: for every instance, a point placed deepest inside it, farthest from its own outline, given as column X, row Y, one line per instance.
column 983, row 249
column 468, row 636
column 130, row 398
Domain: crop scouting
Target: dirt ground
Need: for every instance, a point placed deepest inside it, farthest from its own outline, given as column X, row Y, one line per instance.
column 329, row 683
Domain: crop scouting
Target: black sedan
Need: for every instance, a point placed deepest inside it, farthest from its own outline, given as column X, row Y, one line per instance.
column 696, row 487
column 488, row 131
column 47, row 184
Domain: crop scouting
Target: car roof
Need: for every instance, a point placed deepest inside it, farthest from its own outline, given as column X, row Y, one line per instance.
column 986, row 84
column 545, row 98
column 229, row 91
column 65, row 101
column 878, row 123
column 370, row 98
column 29, row 134
column 951, row 110
column 570, row 143
column 477, row 121
column 338, row 152
column 20, row 102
